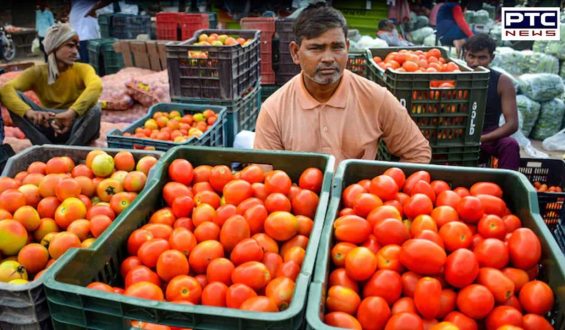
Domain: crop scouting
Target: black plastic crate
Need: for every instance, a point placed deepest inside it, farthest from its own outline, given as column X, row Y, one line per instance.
column 552, row 173
column 241, row 114
column 285, row 69
column 446, row 115
column 214, row 72
column 128, row 26
column 103, row 57
column 215, row 136
column 268, row 90
column 455, row 155
column 105, row 23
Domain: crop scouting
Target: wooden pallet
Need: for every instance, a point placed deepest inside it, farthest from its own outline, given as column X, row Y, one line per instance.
column 148, row 54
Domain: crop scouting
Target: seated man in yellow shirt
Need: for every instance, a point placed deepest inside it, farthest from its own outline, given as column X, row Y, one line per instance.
column 68, row 91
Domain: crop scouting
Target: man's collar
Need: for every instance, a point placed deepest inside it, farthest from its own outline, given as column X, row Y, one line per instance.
column 337, row 100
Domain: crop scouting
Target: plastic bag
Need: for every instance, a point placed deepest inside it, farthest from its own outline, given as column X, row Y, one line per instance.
column 430, row 40
column 151, row 89
column 35, row 50
column 421, row 21
column 541, row 86
column 539, row 46
column 540, row 63
column 115, row 94
column 367, row 42
column 550, row 118
column 523, row 141
column 418, row 36
column 481, row 17
column 528, row 110
column 510, row 60
column 555, row 142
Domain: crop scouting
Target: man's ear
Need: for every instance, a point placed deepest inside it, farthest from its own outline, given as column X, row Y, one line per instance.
column 293, row 46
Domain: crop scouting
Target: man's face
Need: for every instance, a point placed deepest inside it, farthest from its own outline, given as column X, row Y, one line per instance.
column 68, row 51
column 323, row 58
column 478, row 58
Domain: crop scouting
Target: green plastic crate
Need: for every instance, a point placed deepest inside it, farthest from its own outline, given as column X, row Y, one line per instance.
column 103, row 57
column 25, row 306
column 74, row 306
column 241, row 113
column 454, row 155
column 105, row 23
column 446, row 116
column 268, row 90
column 519, row 196
column 357, row 63
column 215, row 136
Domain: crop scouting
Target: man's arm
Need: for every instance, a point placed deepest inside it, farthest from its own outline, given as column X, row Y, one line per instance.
column 402, row 136
column 98, row 5
column 267, row 131
column 507, row 95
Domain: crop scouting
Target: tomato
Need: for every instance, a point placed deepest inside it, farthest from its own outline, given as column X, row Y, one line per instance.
column 536, row 297
column 311, row 179
column 183, row 288
column 352, row 229
column 431, row 236
column 278, row 181
column 280, row 290
column 388, row 258
column 416, row 205
column 305, row 203
column 439, row 186
column 462, row 321
column 281, row 225
column 342, row 299
column 224, row 212
column 234, row 230
column 172, row 190
column 427, row 297
column 246, row 250
column 423, row 187
column 492, row 226
column 499, row 285
column 237, row 294
column 277, row 202
column 259, row 190
column 259, row 304
column 342, row 320
column 339, row 277
column 150, row 251
column 180, row 170
column 409, row 282
column 492, row 252
column 492, row 205
column 252, row 173
column 236, row 191
column 220, row 175
column 397, row 174
column 456, row 235
column 350, row 194
column 525, row 248
column 183, row 240
column 486, row 188
column 141, row 274
column 164, row 216
column 448, row 198
column 381, row 213
column 384, row 187
column 470, row 209
column 511, row 222
column 391, row 231
column 159, row 230
column 252, row 273
column 413, row 178
column 360, row 263
column 288, row 269
column 404, row 305
column 298, row 240
column 172, row 263
column 203, row 254
column 365, row 203
column 384, row 283
column 461, row 268
column 137, row 238
column 535, row 322
column 201, row 187
column 405, row 321
column 128, row 264
column 365, row 183
column 209, row 197
column 372, row 244
column 201, row 173
column 207, row 231
column 422, row 222
column 513, row 302
column 219, row 270
column 266, row 242
column 145, row 290
column 475, row 301
column 422, row 256
column 214, row 294
column 100, row 286
column 448, row 299
column 518, row 276
column 503, row 315
column 373, row 313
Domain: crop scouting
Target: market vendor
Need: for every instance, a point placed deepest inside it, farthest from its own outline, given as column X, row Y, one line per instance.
column 501, row 99
column 388, row 32
column 67, row 90
column 331, row 110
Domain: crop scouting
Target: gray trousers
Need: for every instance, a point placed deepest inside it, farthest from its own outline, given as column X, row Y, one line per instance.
column 85, row 128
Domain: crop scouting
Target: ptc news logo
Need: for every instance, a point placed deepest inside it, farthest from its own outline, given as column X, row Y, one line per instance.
column 540, row 23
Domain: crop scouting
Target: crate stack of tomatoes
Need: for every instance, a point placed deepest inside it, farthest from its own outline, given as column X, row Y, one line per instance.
column 415, row 253
column 235, row 240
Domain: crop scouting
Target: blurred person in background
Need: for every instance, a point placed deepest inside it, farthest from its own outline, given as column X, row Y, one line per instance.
column 452, row 29
column 43, row 20
column 82, row 18
column 388, row 32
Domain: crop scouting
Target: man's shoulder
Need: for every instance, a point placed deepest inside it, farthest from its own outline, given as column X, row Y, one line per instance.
column 365, row 86
column 284, row 92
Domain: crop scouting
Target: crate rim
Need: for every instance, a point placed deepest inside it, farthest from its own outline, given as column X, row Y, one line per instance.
column 294, row 308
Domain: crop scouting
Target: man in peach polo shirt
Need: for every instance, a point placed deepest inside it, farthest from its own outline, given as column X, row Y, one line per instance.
column 331, row 110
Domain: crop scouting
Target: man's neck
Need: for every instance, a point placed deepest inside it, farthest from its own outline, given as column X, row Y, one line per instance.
column 62, row 66
column 322, row 93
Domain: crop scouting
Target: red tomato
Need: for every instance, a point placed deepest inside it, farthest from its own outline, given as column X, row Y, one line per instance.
column 252, row 174
column 352, row 229
column 536, row 297
column 461, row 268
column 535, row 322
column 253, row 274
column 360, row 263
column 404, row 305
column 278, row 181
column 388, row 258
column 381, row 213
column 342, row 320
column 487, row 188
column 305, row 203
column 427, row 297
column 405, row 321
column 351, row 193
column 456, row 235
column 397, row 174
column 384, row 283
column 391, row 231
column 422, row 256
column 416, row 205
column 145, row 290
column 422, row 222
column 342, row 299
column 246, row 250
column 413, row 178
column 409, row 281
column 311, row 179
column 277, row 202
column 137, row 238
column 259, row 304
column 237, row 294
column 339, row 277
column 150, row 251
column 475, row 301
column 448, row 300
column 462, row 321
column 373, row 313
column 183, row 288
column 499, row 285
column 172, row 263
column 462, row 191
column 236, row 191
column 372, row 244
column 518, row 276
column 214, row 294
column 384, row 187
column 183, row 240
column 492, row 226
column 449, row 198
column 365, row 203
column 470, row 209
column 431, row 236
column 220, row 175
column 511, row 222
column 423, row 187
column 180, row 170
column 255, row 217
column 525, row 248
column 492, row 205
column 234, row 230
column 203, row 254
column 503, row 315
column 281, row 290
column 439, row 186
column 219, row 270
column 492, row 252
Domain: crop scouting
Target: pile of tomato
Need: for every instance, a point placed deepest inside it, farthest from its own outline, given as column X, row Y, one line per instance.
column 412, row 253
column 416, row 61
column 225, row 239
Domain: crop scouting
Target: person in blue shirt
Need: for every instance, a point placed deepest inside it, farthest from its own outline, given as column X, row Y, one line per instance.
column 452, row 29
column 43, row 20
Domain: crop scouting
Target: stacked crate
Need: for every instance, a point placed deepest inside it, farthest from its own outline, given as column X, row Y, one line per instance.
column 267, row 27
